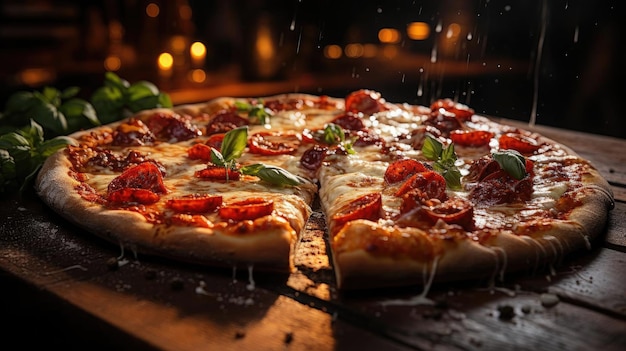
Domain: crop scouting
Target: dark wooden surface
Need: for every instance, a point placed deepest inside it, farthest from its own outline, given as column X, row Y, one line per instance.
column 59, row 289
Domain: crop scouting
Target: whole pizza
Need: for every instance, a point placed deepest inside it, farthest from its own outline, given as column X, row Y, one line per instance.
column 410, row 194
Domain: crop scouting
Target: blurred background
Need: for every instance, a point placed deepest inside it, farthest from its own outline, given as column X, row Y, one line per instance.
column 557, row 63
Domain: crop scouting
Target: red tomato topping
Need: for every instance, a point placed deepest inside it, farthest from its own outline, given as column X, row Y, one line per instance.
column 247, row 209
column 431, row 183
column 194, row 203
column 474, row 138
column 365, row 101
column 273, row 143
column 365, row 207
column 143, row 176
column 349, row 121
column 523, row 144
column 199, row 152
column 312, row 158
column 215, row 141
column 214, row 172
column 462, row 112
column 172, row 127
column 401, row 169
column 225, row 121
column 133, row 195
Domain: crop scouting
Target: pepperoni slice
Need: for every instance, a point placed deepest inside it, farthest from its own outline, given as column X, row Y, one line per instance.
column 515, row 141
column 401, row 169
column 133, row 195
column 431, row 183
column 312, row 158
column 365, row 207
column 142, row 176
column 214, row 172
column 194, row 203
column 273, row 143
column 453, row 211
column 200, row 152
column 225, row 121
column 215, row 141
column 247, row 209
column 500, row 188
column 462, row 112
column 365, row 101
column 473, row 138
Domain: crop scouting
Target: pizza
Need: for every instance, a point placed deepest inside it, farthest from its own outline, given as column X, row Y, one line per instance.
column 410, row 194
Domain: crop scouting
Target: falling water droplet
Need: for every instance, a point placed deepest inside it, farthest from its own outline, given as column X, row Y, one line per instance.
column 576, row 34
column 542, row 35
column 469, row 36
column 438, row 27
column 433, row 54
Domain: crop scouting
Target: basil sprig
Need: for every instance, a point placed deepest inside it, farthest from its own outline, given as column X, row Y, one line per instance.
column 117, row 98
column 22, row 153
column 444, row 160
column 232, row 148
column 512, row 162
column 333, row 134
column 257, row 113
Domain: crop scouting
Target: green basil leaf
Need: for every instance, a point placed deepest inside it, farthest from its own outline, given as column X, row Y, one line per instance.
column 114, row 81
column 217, row 158
column 50, row 118
column 13, row 140
column 140, row 90
column 452, row 176
column 258, row 115
column 234, row 143
column 164, row 100
column 512, row 162
column 109, row 104
column 20, row 102
column 243, row 106
column 145, row 103
column 272, row 174
column 69, row 92
column 50, row 95
column 49, row 147
column 448, row 155
column 432, row 148
column 333, row 134
column 32, row 132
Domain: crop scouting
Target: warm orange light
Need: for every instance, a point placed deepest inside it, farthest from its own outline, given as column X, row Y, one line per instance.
column 390, row 51
column 332, row 51
column 197, row 76
column 112, row 63
column 197, row 50
column 264, row 46
column 152, row 10
column 370, row 50
column 354, row 50
column 418, row 30
column 454, row 29
column 36, row 76
column 185, row 12
column 178, row 43
column 165, row 61
column 389, row 36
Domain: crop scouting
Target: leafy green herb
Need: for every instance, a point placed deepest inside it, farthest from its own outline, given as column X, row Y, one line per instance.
column 333, row 134
column 257, row 113
column 444, row 160
column 22, row 153
column 118, row 98
column 271, row 174
column 233, row 146
column 512, row 162
column 57, row 112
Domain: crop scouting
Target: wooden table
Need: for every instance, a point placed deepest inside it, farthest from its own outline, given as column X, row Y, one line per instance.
column 59, row 289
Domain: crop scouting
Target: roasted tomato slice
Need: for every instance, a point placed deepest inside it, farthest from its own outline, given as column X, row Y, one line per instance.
column 172, row 126
column 133, row 195
column 462, row 112
column 431, row 183
column 312, row 158
column 215, row 141
column 225, row 121
column 365, row 207
column 515, row 141
column 189, row 220
column 273, row 143
column 349, row 121
column 194, row 203
column 365, row 101
column 401, row 169
column 145, row 175
column 473, row 138
column 247, row 209
column 214, row 172
column 133, row 132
